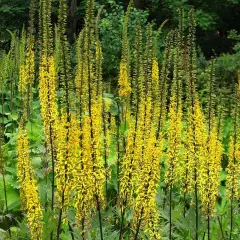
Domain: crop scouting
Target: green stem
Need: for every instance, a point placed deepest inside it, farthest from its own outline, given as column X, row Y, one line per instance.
column 70, row 230
column 184, row 202
column 208, row 220
column 122, row 221
column 231, row 218
column 2, row 163
column 170, row 213
column 196, row 210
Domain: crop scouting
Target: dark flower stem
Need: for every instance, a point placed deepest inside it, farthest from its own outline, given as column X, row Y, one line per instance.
column 82, row 233
column 220, row 224
column 99, row 217
column 60, row 217
column 138, row 226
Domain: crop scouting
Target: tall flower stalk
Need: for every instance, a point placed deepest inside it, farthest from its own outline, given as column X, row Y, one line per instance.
column 210, row 168
column 124, row 92
column 173, row 157
column 28, row 186
column 89, row 87
column 233, row 172
column 49, row 110
column 148, row 148
column 47, row 88
column 196, row 135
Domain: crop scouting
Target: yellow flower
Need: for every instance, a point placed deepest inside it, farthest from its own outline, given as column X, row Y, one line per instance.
column 123, row 81
column 48, row 100
column 96, row 151
column 155, row 90
column 155, row 74
column 22, row 84
column 233, row 168
column 128, row 171
column 83, row 175
column 107, row 104
column 67, row 155
column 145, row 209
column 173, row 157
column 28, row 187
column 209, row 173
column 195, row 145
column 233, row 171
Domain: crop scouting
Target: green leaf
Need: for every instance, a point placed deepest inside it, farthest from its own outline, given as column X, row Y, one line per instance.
column 37, row 161
column 12, row 196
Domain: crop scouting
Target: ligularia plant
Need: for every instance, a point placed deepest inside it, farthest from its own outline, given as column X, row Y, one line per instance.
column 127, row 157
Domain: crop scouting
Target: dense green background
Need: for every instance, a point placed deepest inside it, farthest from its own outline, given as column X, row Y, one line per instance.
column 215, row 18
column 217, row 32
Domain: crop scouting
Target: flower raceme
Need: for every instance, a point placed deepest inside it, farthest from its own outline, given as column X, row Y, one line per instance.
column 233, row 171
column 129, row 165
column 173, row 158
column 175, row 115
column 67, row 142
column 83, row 175
column 145, row 208
column 155, row 89
column 28, row 187
column 233, row 168
column 48, row 99
column 96, row 151
column 124, row 82
column 210, row 173
column 195, row 147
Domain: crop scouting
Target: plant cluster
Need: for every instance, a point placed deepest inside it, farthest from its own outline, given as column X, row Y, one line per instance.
column 120, row 159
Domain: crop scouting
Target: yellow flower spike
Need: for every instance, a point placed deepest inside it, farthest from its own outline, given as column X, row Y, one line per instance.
column 233, row 168
column 195, row 145
column 233, row 172
column 145, row 211
column 83, row 175
column 123, row 81
column 174, row 153
column 48, row 100
column 64, row 72
column 28, row 187
column 49, row 108
column 107, row 104
column 67, row 155
column 210, row 173
column 98, row 168
column 22, row 84
column 155, row 78
column 128, row 171
column 173, row 157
